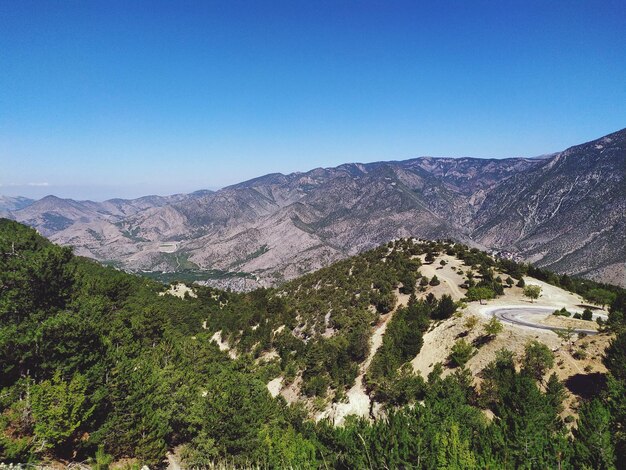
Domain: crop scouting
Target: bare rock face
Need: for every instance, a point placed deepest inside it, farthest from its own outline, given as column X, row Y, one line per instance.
column 567, row 214
column 565, row 211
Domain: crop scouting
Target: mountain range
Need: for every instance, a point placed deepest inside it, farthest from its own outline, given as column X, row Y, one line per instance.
column 564, row 211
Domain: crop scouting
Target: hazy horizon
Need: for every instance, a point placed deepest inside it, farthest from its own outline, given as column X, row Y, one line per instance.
column 119, row 99
column 38, row 190
column 98, row 193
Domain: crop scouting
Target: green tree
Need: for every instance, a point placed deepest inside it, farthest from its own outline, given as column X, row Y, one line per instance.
column 408, row 281
column 615, row 357
column 555, row 393
column 462, row 351
column 600, row 296
column 141, row 406
column 445, row 308
column 235, row 433
column 537, row 359
column 285, row 448
column 453, row 452
column 59, row 408
column 532, row 292
column 567, row 334
column 480, row 294
column 493, row 327
column 593, row 437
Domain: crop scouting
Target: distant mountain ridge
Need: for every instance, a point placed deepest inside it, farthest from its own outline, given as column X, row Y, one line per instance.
column 9, row 204
column 565, row 211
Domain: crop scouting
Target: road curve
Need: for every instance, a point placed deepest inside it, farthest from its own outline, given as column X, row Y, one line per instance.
column 523, row 316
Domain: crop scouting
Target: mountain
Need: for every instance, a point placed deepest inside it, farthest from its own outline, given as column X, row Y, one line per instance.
column 8, row 204
column 568, row 214
column 563, row 210
column 280, row 226
column 76, row 222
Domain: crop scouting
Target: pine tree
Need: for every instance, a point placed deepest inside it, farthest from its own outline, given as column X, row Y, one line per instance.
column 453, row 452
column 593, row 444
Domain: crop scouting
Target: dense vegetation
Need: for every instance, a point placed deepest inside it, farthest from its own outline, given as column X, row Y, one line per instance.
column 95, row 365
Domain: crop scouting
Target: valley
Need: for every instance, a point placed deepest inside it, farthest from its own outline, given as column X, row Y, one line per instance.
column 566, row 212
column 312, row 235
column 391, row 345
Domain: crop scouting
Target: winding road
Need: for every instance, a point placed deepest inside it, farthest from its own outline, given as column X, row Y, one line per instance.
column 529, row 317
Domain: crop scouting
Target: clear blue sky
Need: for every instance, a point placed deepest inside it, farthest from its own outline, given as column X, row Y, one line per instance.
column 103, row 99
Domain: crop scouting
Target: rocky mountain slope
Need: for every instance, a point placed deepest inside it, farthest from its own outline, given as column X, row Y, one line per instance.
column 568, row 214
column 555, row 211
column 8, row 204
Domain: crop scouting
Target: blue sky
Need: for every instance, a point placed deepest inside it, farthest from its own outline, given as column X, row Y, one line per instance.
column 104, row 99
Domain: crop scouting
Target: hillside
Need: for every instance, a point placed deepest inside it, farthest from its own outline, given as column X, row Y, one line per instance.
column 9, row 204
column 564, row 211
column 568, row 215
column 98, row 364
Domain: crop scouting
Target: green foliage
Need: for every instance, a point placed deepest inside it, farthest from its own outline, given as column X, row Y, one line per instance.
column 532, row 292
column 101, row 460
column 593, row 445
column 562, row 312
column 471, row 322
column 493, row 327
column 401, row 343
column 600, row 296
column 567, row 335
column 537, row 360
column 479, row 293
column 462, row 351
column 93, row 362
column 527, row 423
column 615, row 357
column 238, row 433
column 408, row 281
column 445, row 308
column 453, row 452
column 287, row 448
column 58, row 409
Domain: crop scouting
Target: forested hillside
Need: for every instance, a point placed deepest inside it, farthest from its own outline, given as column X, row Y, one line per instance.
column 96, row 366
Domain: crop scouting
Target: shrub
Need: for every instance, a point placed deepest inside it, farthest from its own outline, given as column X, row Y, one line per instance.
column 493, row 327
column 562, row 312
column 462, row 351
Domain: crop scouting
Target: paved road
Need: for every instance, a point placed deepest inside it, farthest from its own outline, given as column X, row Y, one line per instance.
column 530, row 317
